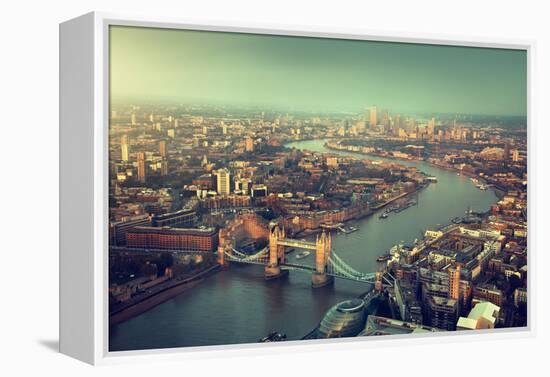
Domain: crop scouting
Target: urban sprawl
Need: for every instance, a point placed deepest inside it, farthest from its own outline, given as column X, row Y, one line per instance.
column 194, row 189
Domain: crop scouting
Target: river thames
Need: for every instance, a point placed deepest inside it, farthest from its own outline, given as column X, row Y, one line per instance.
column 237, row 305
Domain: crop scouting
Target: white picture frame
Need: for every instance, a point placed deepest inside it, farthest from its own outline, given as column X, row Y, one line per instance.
column 84, row 193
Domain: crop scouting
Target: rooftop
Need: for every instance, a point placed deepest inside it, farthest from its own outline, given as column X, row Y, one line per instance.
column 483, row 315
column 173, row 231
column 386, row 326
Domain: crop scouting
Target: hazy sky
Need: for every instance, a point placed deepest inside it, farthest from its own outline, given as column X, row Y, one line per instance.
column 314, row 74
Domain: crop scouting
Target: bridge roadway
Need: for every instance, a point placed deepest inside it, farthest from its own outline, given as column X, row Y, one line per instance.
column 262, row 259
column 290, row 242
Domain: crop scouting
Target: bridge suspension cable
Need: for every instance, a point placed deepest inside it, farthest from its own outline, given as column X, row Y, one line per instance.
column 335, row 265
column 341, row 267
column 238, row 256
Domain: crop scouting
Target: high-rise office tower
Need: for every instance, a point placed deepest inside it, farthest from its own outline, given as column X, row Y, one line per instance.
column 515, row 155
column 141, row 166
column 373, row 116
column 164, row 167
column 431, row 127
column 223, row 182
column 385, row 118
column 133, row 119
column 124, row 150
column 162, row 148
column 506, row 151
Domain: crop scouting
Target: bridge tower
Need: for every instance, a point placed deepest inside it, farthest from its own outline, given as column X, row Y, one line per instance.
column 323, row 246
column 221, row 255
column 224, row 245
column 276, row 253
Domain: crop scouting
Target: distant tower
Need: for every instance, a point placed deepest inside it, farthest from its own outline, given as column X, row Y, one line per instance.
column 124, row 151
column 223, row 182
column 162, row 148
column 515, row 155
column 373, row 114
column 164, row 160
column 249, row 144
column 141, row 166
column 506, row 151
column 133, row 119
column 164, row 167
column 431, row 127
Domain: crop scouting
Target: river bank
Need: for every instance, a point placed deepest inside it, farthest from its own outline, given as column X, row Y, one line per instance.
column 151, row 301
column 499, row 192
column 310, row 232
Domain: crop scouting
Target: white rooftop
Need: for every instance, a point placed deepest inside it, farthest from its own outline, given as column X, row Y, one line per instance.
column 483, row 315
column 484, row 310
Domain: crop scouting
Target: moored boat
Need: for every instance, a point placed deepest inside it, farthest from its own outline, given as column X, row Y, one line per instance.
column 383, row 258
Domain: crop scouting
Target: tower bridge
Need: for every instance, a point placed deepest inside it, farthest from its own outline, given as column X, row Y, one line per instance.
column 328, row 265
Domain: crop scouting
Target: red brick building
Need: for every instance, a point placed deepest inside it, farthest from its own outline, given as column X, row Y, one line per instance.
column 146, row 237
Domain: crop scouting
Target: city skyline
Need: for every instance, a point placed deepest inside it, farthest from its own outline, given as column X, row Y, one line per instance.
column 381, row 188
column 312, row 74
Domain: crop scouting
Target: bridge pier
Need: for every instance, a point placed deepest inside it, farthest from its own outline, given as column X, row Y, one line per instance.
column 274, row 272
column 319, row 280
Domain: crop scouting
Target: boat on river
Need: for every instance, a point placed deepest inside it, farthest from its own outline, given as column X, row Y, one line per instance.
column 302, row 254
column 383, row 258
column 273, row 336
column 405, row 206
column 456, row 220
